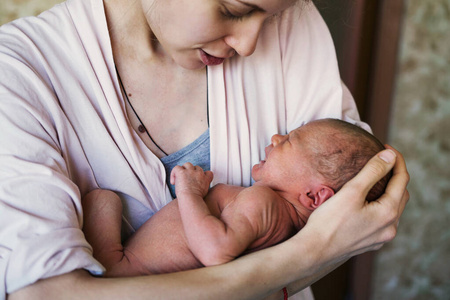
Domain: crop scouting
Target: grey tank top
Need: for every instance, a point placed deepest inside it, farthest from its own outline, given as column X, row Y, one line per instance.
column 196, row 153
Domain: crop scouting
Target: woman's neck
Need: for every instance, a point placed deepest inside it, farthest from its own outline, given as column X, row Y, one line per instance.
column 130, row 33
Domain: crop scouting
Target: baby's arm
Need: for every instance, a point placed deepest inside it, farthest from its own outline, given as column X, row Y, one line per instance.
column 213, row 240
column 102, row 223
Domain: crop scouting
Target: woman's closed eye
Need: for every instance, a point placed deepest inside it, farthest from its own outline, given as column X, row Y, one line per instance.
column 235, row 16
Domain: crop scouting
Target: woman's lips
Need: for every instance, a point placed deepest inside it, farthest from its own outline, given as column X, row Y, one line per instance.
column 210, row 60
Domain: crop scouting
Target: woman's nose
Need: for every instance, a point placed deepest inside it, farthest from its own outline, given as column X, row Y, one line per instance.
column 245, row 36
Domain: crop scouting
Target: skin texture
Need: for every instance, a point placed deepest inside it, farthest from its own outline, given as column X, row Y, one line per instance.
column 265, row 272
column 206, row 227
column 215, row 226
column 219, row 28
column 157, row 48
column 164, row 75
column 228, row 224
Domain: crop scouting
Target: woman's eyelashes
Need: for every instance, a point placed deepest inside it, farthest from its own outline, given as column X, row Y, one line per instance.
column 235, row 16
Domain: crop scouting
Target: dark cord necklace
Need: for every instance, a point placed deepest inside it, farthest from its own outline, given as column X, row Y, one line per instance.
column 141, row 127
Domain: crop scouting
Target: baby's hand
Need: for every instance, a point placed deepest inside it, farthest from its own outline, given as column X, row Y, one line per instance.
column 190, row 179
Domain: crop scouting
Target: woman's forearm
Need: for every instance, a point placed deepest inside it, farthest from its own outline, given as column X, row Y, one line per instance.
column 331, row 236
column 254, row 276
column 251, row 277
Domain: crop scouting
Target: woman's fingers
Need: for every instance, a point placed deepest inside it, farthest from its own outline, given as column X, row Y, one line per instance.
column 389, row 207
column 396, row 188
column 375, row 169
column 392, row 203
column 363, row 226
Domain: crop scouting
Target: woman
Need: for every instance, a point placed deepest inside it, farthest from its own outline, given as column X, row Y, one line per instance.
column 113, row 93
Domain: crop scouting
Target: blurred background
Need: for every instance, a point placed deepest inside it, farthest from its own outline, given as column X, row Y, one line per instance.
column 395, row 57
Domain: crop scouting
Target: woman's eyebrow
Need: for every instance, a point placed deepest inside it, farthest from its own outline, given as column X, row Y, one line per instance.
column 254, row 6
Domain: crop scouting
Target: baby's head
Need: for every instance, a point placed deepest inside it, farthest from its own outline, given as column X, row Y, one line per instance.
column 314, row 161
column 341, row 150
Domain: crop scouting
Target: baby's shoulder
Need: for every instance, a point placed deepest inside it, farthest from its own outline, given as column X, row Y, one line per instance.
column 259, row 194
column 223, row 194
column 227, row 190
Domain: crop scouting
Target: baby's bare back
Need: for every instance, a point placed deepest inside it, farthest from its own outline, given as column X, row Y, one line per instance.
column 160, row 245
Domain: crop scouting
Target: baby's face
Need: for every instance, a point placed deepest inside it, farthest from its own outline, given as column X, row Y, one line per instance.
column 287, row 161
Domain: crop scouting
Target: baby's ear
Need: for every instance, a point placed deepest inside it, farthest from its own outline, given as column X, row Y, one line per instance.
column 316, row 197
column 323, row 194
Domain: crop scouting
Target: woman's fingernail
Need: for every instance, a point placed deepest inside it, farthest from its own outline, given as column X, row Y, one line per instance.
column 388, row 156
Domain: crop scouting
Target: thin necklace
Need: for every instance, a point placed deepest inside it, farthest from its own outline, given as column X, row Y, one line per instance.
column 141, row 127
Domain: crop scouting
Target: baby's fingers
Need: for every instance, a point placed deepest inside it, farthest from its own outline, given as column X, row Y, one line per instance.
column 174, row 172
column 209, row 175
column 172, row 176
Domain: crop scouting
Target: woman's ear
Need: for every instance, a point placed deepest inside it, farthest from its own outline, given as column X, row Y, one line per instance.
column 316, row 197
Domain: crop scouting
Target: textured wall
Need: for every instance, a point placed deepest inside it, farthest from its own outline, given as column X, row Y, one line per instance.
column 417, row 264
column 13, row 9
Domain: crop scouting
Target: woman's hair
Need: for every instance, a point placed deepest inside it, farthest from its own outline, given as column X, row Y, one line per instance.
column 343, row 151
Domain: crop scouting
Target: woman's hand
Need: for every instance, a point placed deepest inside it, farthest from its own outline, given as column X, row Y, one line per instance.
column 342, row 227
column 353, row 226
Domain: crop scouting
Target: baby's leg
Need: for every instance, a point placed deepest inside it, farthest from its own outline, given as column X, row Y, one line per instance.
column 102, row 221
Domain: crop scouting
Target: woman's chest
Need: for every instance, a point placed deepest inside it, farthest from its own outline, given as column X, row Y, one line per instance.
column 168, row 110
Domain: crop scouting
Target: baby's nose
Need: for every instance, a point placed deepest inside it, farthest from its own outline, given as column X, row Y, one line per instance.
column 277, row 138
